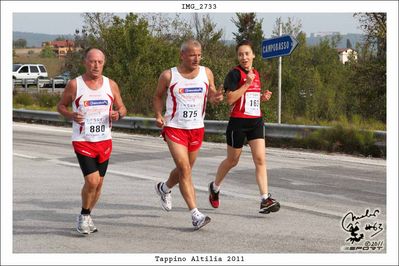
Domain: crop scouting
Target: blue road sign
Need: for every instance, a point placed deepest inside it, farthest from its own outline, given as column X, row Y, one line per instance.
column 279, row 46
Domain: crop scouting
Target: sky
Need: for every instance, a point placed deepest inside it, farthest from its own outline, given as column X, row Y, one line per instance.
column 67, row 23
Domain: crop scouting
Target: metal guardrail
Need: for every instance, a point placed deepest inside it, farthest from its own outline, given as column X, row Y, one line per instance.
column 281, row 131
column 39, row 83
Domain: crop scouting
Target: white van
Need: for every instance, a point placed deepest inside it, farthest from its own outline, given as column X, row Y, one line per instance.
column 29, row 71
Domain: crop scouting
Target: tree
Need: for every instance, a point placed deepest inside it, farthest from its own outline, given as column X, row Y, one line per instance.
column 314, row 82
column 369, row 73
column 375, row 27
column 290, row 27
column 174, row 30
column 47, row 52
column 249, row 28
column 20, row 43
column 95, row 23
column 205, row 31
column 368, row 93
column 134, row 57
column 348, row 44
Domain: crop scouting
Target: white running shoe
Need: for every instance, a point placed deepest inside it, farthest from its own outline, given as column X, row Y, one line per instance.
column 92, row 227
column 82, row 224
column 166, row 198
column 200, row 220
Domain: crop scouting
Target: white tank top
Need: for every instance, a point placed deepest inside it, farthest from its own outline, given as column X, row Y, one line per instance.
column 96, row 106
column 186, row 100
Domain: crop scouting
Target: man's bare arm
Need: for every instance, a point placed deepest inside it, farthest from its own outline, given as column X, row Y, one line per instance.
column 120, row 108
column 158, row 101
column 68, row 96
column 215, row 96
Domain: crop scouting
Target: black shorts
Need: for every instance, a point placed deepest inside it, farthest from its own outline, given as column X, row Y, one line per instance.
column 90, row 165
column 240, row 128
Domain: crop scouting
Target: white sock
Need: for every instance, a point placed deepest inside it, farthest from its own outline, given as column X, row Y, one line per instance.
column 264, row 196
column 165, row 188
column 195, row 211
column 215, row 188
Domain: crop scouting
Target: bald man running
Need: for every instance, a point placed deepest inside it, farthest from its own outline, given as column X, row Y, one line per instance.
column 96, row 102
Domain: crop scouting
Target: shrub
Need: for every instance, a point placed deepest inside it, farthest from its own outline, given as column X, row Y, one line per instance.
column 45, row 99
column 343, row 139
column 23, row 99
column 47, row 52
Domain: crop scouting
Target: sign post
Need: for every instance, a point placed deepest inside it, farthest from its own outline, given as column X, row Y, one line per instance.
column 278, row 47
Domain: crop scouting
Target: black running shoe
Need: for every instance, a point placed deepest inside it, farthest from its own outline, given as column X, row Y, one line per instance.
column 269, row 205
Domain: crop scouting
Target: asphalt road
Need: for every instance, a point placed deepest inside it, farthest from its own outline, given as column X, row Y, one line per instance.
column 320, row 195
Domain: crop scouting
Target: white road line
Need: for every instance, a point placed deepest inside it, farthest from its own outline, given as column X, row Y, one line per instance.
column 200, row 188
column 41, row 127
column 24, row 156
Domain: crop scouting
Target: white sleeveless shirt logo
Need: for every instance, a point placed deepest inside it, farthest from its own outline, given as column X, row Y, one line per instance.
column 96, row 106
column 186, row 100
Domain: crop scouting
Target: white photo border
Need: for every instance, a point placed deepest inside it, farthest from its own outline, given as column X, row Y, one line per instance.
column 9, row 7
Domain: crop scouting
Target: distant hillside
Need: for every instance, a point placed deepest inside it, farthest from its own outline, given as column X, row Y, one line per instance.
column 36, row 39
column 354, row 39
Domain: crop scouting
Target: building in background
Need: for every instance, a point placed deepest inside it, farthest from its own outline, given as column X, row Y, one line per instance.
column 61, row 48
column 345, row 54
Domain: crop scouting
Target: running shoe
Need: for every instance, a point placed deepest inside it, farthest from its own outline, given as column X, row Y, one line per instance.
column 92, row 227
column 166, row 198
column 269, row 205
column 213, row 196
column 82, row 224
column 200, row 220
